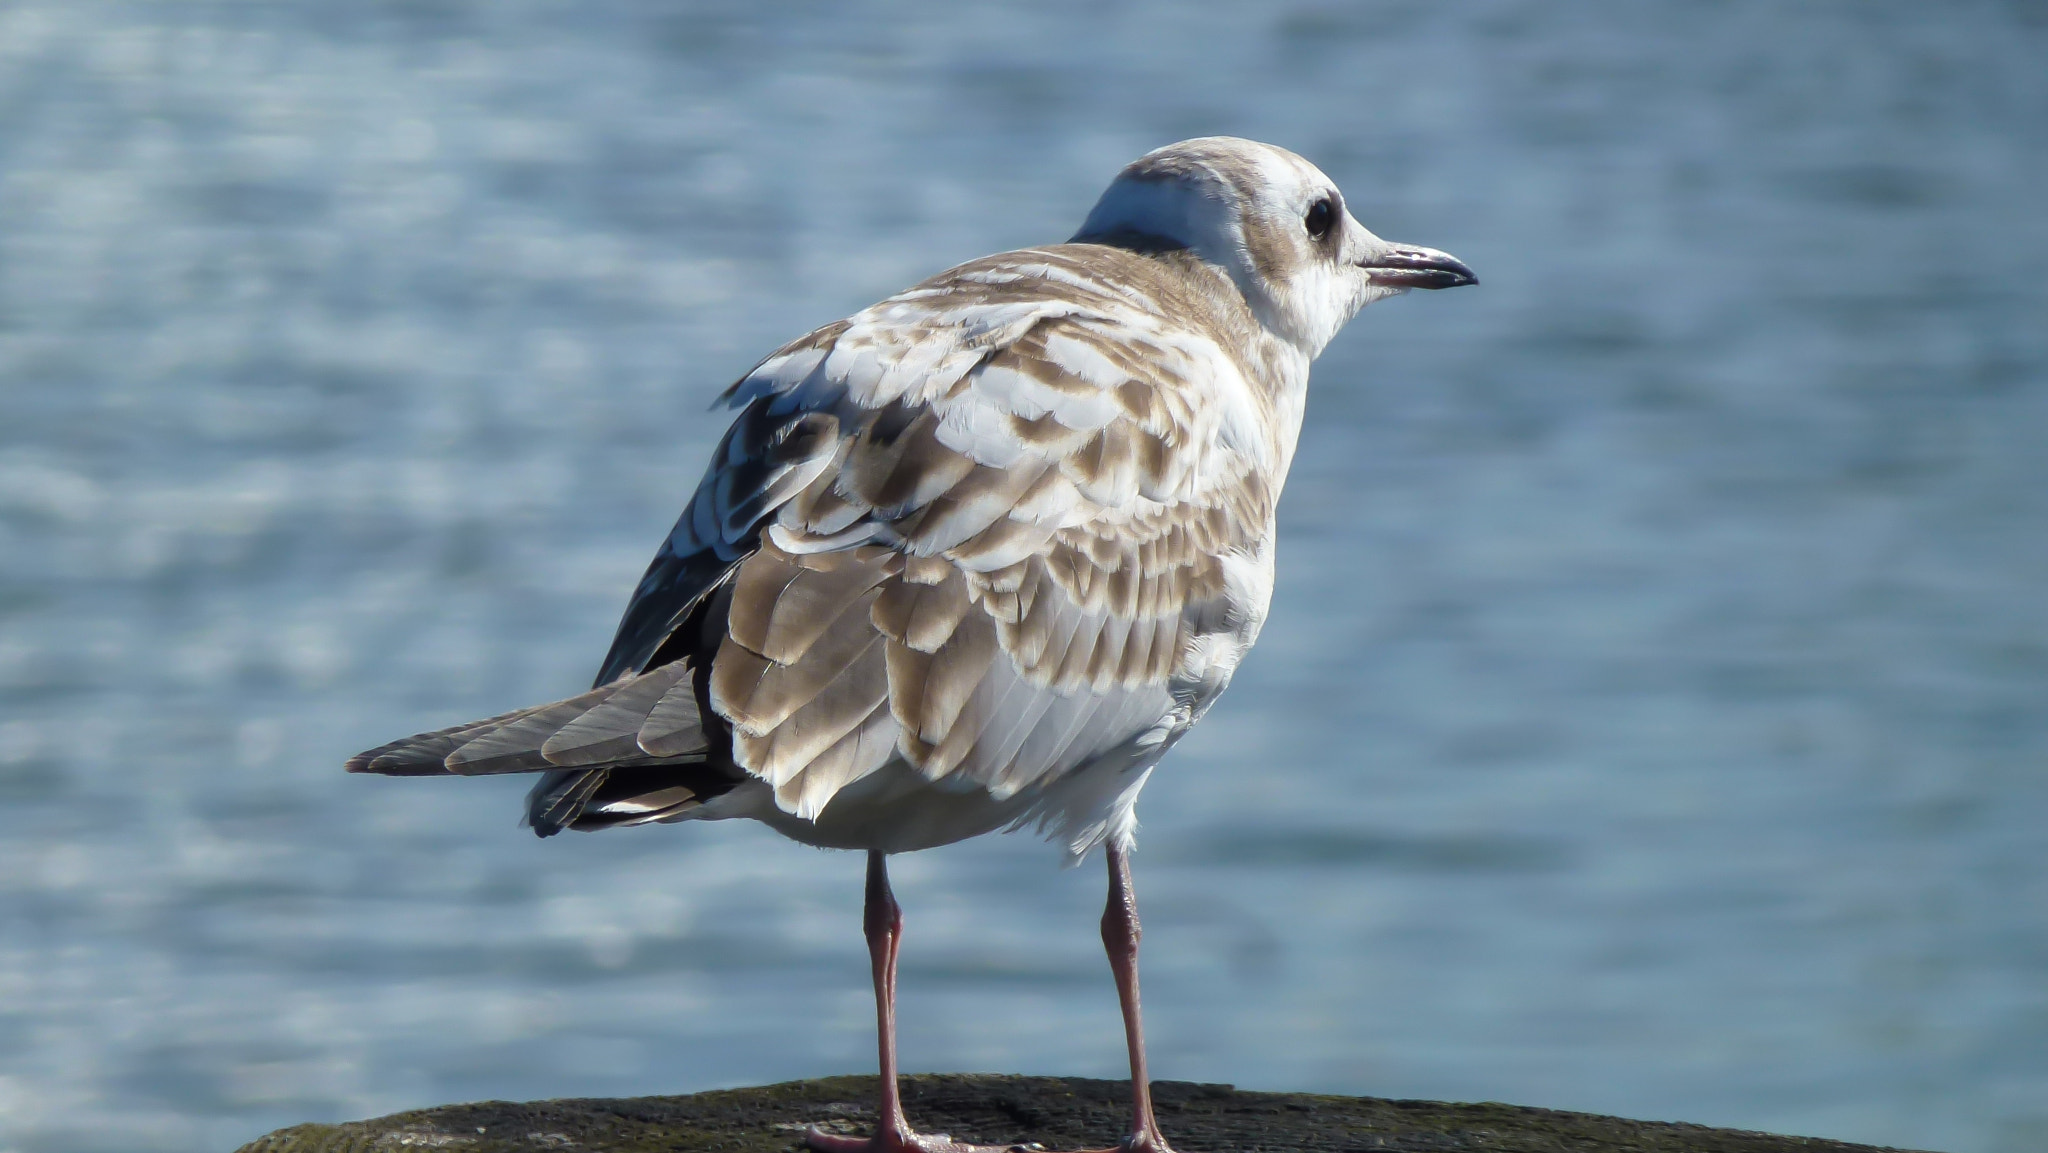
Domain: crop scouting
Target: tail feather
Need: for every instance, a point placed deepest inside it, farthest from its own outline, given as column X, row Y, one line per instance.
column 558, row 798
column 590, row 799
column 647, row 720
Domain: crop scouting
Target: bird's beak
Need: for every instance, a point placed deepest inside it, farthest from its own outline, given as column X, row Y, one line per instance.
column 1411, row 266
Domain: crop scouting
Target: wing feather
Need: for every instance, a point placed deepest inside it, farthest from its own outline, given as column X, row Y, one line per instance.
column 975, row 529
column 922, row 616
column 757, row 694
column 675, row 725
column 854, row 755
column 516, row 747
column 611, row 731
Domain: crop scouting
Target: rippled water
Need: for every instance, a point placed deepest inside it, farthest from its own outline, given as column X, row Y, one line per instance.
column 1651, row 719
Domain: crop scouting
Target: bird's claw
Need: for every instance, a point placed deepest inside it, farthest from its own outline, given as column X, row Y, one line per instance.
column 820, row 1141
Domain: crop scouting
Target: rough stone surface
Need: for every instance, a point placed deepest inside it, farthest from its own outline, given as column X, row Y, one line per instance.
column 1059, row 1113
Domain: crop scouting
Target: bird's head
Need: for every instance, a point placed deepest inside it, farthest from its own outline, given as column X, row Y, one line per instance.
column 1274, row 224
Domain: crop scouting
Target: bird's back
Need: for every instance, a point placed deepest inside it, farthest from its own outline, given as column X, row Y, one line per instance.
column 974, row 556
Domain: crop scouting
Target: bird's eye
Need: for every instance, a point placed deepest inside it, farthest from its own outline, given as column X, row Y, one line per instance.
column 1320, row 214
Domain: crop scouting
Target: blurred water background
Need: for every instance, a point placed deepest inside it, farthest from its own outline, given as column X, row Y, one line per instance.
column 1651, row 717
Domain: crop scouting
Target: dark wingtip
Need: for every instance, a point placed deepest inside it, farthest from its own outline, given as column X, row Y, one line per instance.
column 404, row 758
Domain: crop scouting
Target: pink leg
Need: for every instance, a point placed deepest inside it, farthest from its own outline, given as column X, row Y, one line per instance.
column 1120, row 935
column 883, row 923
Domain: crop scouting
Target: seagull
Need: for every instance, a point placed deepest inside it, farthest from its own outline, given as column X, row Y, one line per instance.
column 976, row 557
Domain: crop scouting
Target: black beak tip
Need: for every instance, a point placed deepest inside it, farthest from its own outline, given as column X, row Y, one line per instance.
column 1420, row 268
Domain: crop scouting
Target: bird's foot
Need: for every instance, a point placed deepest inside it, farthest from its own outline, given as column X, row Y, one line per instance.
column 907, row 1141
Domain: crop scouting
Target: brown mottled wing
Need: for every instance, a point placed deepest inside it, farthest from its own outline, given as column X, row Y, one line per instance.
column 981, row 526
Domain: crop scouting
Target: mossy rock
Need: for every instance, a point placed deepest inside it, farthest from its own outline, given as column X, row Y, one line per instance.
column 1056, row 1112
